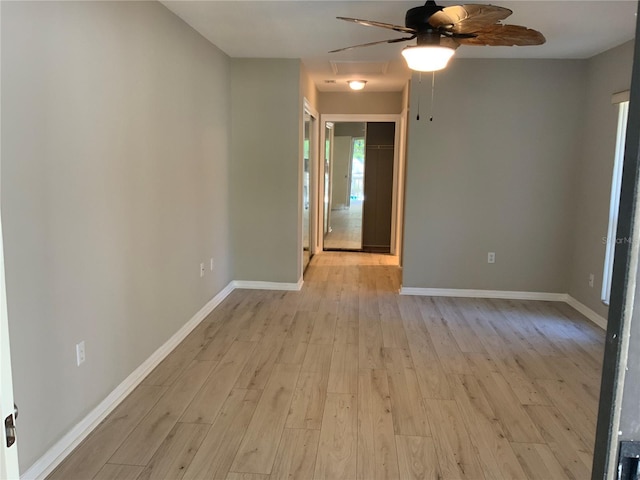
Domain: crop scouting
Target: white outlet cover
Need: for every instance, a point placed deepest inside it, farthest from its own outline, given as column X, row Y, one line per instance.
column 211, row 264
column 202, row 270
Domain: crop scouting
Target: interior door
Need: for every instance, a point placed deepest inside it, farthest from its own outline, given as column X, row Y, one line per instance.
column 328, row 166
column 306, row 190
column 346, row 167
column 8, row 453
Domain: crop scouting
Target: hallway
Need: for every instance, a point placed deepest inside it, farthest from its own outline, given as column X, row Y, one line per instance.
column 347, row 379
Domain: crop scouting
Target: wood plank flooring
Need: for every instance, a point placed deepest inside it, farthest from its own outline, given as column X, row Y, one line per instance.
column 346, row 379
column 346, row 228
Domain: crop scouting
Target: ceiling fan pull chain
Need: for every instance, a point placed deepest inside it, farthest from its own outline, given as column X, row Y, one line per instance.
column 419, row 94
column 433, row 89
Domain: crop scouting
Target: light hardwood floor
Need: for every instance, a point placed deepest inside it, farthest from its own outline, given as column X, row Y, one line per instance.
column 348, row 380
column 346, row 228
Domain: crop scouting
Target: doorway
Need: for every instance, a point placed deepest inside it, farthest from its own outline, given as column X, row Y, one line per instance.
column 360, row 188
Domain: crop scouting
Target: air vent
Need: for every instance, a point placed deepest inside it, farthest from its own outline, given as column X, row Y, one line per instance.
column 359, row 68
column 329, row 81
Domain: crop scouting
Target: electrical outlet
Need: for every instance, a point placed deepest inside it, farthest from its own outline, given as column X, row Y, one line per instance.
column 491, row 257
column 211, row 264
column 201, row 270
column 592, row 279
column 80, row 355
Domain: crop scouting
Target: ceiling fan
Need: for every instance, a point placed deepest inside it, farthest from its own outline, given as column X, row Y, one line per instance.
column 439, row 31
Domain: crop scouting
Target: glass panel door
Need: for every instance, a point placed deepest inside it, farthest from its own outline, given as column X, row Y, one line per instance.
column 345, row 186
column 306, row 189
column 328, row 165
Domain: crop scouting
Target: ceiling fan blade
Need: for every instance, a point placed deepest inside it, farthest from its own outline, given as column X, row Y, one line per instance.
column 372, row 23
column 504, row 36
column 468, row 18
column 393, row 40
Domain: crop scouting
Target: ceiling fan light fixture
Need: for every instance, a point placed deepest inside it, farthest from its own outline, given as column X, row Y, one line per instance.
column 357, row 84
column 427, row 58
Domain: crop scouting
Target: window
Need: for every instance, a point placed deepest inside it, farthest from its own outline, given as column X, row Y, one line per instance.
column 616, row 181
column 357, row 169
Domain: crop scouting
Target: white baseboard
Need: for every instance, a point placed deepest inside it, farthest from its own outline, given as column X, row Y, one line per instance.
column 63, row 447
column 542, row 296
column 587, row 312
column 251, row 285
column 468, row 293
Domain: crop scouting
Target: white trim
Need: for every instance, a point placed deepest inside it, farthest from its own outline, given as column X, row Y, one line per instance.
column 357, row 117
column 394, row 185
column 468, row 293
column 252, row 285
column 505, row 294
column 399, row 185
column 307, row 109
column 587, row 312
column 63, row 447
column 614, row 201
column 307, row 106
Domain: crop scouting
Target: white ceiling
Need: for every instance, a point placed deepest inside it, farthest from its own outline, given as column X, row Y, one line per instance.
column 309, row 29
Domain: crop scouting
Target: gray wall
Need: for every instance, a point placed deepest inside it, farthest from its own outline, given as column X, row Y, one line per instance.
column 361, row 103
column 308, row 88
column 350, row 129
column 607, row 73
column 265, row 169
column 492, row 173
column 115, row 159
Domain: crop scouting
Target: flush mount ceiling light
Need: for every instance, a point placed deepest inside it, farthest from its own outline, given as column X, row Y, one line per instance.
column 357, row 84
column 439, row 30
column 427, row 58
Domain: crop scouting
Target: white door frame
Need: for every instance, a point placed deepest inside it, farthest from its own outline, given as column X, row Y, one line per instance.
column 399, row 182
column 398, row 169
column 8, row 456
column 9, row 468
column 320, row 175
column 307, row 108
